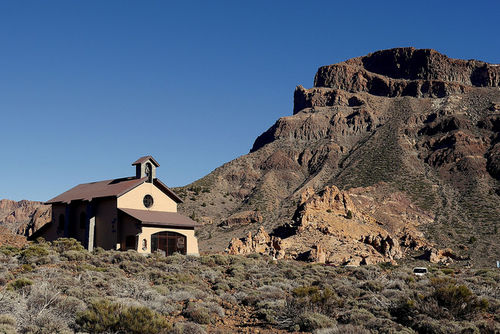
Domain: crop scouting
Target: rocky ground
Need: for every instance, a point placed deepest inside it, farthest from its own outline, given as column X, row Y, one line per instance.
column 60, row 288
column 408, row 124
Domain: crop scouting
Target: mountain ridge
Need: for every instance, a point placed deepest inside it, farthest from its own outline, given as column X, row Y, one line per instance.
column 435, row 140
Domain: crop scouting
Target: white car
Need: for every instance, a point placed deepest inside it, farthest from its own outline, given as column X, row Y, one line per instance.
column 420, row 271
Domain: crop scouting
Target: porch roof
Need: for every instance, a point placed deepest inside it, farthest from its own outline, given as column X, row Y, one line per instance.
column 160, row 218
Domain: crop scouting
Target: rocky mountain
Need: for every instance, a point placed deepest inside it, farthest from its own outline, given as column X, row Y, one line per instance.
column 23, row 217
column 404, row 124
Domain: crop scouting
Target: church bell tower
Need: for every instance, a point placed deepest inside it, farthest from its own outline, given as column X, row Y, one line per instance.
column 146, row 167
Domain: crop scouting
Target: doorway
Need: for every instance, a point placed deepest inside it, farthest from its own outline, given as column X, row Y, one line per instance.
column 168, row 242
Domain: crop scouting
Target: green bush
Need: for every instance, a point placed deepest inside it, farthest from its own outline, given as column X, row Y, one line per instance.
column 74, row 255
column 104, row 316
column 67, row 244
column 19, row 284
column 458, row 299
column 35, row 253
column 9, row 250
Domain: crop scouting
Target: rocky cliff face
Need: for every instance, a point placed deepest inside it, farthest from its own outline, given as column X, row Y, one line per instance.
column 23, row 217
column 399, row 121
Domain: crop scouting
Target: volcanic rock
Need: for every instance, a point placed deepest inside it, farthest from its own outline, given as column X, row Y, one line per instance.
column 329, row 228
column 396, row 125
column 23, row 217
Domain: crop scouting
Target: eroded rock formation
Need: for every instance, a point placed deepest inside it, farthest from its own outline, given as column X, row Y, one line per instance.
column 23, row 217
column 329, row 228
column 424, row 125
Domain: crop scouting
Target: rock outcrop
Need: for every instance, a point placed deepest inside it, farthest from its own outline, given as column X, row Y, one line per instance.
column 243, row 218
column 329, row 228
column 398, row 124
column 23, row 217
column 261, row 243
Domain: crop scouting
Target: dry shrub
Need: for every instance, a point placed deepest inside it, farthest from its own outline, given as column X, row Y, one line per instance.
column 62, row 245
column 203, row 312
column 458, row 299
column 104, row 316
column 7, row 324
column 311, row 320
column 188, row 328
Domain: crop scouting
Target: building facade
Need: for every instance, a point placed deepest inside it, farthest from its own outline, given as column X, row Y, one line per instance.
column 138, row 213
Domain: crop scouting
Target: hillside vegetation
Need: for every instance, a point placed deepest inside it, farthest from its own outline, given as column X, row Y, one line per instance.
column 60, row 288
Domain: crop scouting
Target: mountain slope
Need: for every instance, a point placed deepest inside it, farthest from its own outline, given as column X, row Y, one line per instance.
column 415, row 120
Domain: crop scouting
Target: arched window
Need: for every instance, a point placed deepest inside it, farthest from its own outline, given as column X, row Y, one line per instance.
column 83, row 220
column 60, row 224
column 169, row 242
column 148, row 170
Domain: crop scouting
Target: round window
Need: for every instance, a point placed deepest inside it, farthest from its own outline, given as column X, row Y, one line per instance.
column 148, row 201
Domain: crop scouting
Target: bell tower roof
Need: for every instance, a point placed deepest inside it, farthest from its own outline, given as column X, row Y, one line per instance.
column 144, row 159
column 146, row 167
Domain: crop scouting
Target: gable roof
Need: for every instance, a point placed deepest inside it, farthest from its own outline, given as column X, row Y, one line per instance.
column 147, row 217
column 163, row 187
column 144, row 159
column 108, row 188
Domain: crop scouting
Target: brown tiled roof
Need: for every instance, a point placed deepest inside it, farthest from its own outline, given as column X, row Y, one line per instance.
column 144, row 159
column 88, row 191
column 161, row 218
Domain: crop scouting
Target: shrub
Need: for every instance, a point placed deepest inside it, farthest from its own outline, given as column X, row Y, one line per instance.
column 310, row 321
column 67, row 244
column 458, row 299
column 7, row 324
column 9, row 250
column 349, row 214
column 188, row 328
column 35, row 253
column 19, row 284
column 203, row 313
column 74, row 255
column 197, row 314
column 447, row 271
column 104, row 316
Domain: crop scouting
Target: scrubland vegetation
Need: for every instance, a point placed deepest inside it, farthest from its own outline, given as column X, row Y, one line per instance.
column 59, row 287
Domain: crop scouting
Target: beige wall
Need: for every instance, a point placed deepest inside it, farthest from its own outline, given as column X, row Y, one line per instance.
column 134, row 199
column 191, row 241
column 106, row 223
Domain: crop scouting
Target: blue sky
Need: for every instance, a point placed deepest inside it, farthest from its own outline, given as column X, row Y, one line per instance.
column 86, row 87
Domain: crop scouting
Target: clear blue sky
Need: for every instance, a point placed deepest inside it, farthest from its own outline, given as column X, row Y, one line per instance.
column 86, row 87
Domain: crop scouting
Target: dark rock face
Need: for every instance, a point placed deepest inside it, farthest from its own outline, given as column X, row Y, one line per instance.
column 414, row 120
column 405, row 72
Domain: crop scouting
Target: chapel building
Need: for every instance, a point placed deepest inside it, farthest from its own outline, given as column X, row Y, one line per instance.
column 138, row 213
